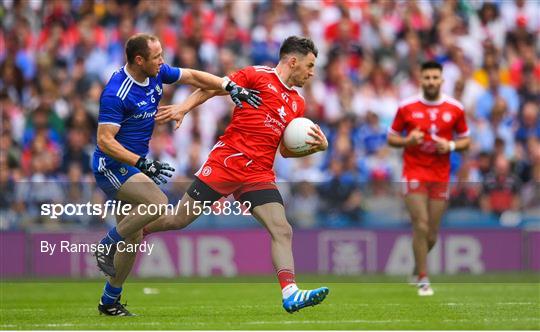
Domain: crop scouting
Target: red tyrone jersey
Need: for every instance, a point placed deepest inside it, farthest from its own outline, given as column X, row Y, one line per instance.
column 256, row 132
column 442, row 118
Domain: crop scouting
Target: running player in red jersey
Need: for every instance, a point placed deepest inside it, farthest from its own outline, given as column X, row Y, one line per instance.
column 434, row 125
column 241, row 162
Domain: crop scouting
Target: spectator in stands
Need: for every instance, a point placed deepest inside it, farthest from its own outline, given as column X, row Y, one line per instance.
column 530, row 194
column 77, row 152
column 341, row 190
column 529, row 125
column 304, row 205
column 487, row 100
column 465, row 192
column 499, row 126
column 501, row 189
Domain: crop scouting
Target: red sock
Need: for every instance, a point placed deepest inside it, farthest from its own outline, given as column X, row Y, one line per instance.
column 285, row 277
column 145, row 232
column 422, row 275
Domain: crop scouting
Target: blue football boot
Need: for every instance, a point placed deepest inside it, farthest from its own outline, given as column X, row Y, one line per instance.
column 304, row 298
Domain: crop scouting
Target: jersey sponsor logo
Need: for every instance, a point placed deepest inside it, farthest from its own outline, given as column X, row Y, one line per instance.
column 285, row 96
column 273, row 124
column 447, row 117
column 282, row 113
column 272, row 87
column 207, row 170
column 418, row 115
column 144, row 115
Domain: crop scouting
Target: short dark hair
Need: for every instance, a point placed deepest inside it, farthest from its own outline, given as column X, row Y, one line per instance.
column 138, row 45
column 295, row 44
column 431, row 65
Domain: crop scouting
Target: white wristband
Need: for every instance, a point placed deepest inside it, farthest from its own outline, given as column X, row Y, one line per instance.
column 452, row 145
column 226, row 81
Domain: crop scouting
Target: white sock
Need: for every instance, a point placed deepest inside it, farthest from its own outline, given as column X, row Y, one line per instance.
column 289, row 290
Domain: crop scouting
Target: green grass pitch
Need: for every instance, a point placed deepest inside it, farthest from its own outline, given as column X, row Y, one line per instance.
column 482, row 302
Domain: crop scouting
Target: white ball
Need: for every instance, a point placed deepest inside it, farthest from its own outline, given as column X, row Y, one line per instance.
column 296, row 135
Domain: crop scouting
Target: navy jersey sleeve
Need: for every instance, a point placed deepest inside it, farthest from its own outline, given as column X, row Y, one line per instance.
column 169, row 75
column 111, row 110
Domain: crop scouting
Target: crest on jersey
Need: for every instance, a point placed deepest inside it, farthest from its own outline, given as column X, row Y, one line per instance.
column 206, row 170
column 123, row 171
column 447, row 117
column 294, row 106
column 158, row 89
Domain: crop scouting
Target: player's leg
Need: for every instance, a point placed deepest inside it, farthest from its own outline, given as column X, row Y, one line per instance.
column 197, row 193
column 436, row 208
column 267, row 208
column 136, row 190
column 417, row 205
column 438, row 202
column 123, row 263
column 140, row 190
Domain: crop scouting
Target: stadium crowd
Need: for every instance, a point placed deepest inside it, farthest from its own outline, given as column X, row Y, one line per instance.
column 56, row 56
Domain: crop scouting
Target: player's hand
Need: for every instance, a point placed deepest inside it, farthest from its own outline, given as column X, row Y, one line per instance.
column 171, row 112
column 155, row 170
column 442, row 145
column 415, row 137
column 240, row 94
column 319, row 142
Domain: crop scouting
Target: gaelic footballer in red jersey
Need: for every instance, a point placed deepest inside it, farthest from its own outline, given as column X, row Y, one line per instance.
column 241, row 162
column 428, row 127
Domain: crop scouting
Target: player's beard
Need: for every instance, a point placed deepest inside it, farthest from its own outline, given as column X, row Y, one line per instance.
column 431, row 93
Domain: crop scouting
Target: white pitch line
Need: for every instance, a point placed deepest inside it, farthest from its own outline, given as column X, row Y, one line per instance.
column 24, row 310
column 366, row 321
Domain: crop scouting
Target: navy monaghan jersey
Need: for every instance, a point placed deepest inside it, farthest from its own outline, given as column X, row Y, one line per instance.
column 132, row 106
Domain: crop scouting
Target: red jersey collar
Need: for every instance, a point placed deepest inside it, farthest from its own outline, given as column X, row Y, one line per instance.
column 437, row 102
column 279, row 78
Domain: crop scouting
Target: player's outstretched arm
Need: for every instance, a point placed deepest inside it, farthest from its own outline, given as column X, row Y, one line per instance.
column 207, row 81
column 202, row 80
column 319, row 143
column 177, row 112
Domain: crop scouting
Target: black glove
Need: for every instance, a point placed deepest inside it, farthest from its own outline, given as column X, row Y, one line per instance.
column 240, row 94
column 155, row 169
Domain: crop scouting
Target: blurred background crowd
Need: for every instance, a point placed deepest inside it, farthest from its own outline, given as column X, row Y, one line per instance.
column 56, row 56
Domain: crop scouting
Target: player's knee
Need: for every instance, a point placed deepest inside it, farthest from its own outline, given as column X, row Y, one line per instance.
column 158, row 202
column 421, row 227
column 135, row 238
column 281, row 231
